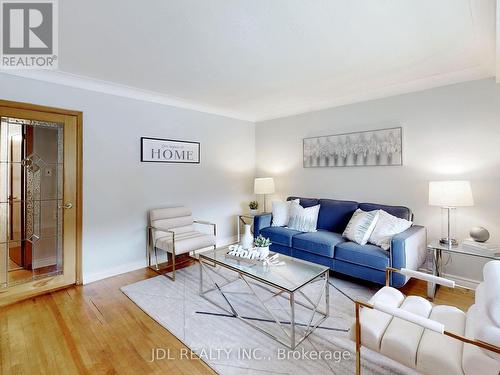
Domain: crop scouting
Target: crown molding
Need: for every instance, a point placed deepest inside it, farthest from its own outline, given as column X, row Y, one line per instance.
column 434, row 81
column 297, row 108
column 111, row 88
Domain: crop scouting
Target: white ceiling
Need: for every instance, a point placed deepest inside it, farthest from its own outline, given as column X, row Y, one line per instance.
column 261, row 59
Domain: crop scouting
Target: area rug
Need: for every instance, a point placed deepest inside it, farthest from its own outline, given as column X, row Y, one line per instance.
column 231, row 347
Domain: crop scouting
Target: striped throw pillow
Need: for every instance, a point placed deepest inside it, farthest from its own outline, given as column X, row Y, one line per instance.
column 303, row 219
column 361, row 226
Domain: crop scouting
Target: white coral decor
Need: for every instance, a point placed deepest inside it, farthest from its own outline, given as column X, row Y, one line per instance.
column 253, row 253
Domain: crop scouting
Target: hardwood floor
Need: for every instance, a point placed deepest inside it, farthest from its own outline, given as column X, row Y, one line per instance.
column 91, row 329
column 458, row 297
column 96, row 329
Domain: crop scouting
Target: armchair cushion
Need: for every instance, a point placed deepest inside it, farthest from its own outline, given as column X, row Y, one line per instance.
column 401, row 339
column 364, row 255
column 169, row 212
column 440, row 354
column 185, row 241
column 475, row 360
column 375, row 322
column 321, row 242
column 170, row 217
column 279, row 235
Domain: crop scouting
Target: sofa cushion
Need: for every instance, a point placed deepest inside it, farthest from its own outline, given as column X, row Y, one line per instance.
column 334, row 214
column 398, row 211
column 321, row 242
column 305, row 202
column 363, row 255
column 279, row 235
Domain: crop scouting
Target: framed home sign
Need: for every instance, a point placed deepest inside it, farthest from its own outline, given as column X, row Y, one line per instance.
column 159, row 150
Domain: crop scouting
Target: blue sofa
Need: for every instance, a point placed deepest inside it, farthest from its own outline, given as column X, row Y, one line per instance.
column 328, row 247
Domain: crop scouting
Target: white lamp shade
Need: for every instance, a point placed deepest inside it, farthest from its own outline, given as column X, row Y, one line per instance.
column 264, row 185
column 450, row 194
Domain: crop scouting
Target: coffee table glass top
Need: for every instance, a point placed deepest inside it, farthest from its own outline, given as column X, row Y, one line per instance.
column 290, row 276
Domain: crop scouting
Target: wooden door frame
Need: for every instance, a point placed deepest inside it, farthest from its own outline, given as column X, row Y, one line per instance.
column 79, row 170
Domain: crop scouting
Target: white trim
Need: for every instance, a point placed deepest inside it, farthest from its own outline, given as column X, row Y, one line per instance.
column 426, row 83
column 459, row 280
column 106, row 87
column 110, row 272
column 124, row 268
column 296, row 108
column 44, row 262
column 463, row 281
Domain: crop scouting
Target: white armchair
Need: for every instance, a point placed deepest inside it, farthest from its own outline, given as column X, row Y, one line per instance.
column 173, row 231
column 433, row 339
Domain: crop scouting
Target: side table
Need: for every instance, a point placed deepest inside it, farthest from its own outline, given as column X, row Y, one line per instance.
column 438, row 249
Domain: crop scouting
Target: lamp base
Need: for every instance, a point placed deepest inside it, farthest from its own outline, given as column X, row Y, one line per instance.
column 448, row 241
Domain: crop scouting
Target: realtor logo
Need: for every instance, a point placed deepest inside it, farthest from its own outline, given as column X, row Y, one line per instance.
column 29, row 34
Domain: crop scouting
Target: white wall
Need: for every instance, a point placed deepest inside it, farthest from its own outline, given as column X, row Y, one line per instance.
column 119, row 189
column 451, row 132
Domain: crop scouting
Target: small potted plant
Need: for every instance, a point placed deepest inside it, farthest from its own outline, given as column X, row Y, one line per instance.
column 262, row 246
column 254, row 206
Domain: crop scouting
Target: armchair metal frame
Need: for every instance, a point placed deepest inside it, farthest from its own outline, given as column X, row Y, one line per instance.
column 427, row 278
column 149, row 245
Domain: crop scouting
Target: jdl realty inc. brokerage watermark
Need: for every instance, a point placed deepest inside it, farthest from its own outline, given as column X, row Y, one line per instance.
column 218, row 354
column 29, row 34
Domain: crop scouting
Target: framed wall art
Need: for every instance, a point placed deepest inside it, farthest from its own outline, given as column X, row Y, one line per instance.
column 383, row 147
column 169, row 151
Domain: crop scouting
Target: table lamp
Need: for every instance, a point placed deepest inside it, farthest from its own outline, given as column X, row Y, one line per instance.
column 449, row 195
column 264, row 186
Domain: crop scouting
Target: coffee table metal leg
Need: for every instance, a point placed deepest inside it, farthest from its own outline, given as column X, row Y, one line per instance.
column 327, row 294
column 292, row 320
column 290, row 339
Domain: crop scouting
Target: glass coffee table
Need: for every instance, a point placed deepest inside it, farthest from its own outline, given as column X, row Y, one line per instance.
column 286, row 302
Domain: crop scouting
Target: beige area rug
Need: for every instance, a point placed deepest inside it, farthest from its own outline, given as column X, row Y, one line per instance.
column 231, row 347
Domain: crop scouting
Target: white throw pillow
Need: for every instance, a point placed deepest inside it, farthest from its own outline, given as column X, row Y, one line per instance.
column 361, row 225
column 281, row 212
column 303, row 219
column 387, row 227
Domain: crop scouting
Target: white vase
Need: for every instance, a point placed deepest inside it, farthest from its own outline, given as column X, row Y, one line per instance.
column 263, row 251
column 247, row 238
column 254, row 212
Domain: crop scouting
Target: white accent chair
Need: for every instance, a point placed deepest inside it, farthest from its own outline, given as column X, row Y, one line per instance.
column 433, row 339
column 173, row 231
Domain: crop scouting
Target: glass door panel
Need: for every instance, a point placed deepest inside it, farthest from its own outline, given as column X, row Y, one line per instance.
column 31, row 192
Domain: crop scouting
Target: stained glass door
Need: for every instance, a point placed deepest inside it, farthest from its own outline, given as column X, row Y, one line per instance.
column 37, row 197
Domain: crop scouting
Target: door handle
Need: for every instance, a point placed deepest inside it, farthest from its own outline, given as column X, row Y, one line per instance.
column 67, row 206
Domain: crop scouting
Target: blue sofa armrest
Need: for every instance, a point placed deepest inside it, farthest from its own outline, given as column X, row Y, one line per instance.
column 408, row 250
column 261, row 221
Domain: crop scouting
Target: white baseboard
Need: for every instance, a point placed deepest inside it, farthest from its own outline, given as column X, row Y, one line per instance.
column 459, row 280
column 44, row 262
column 118, row 270
column 463, row 281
